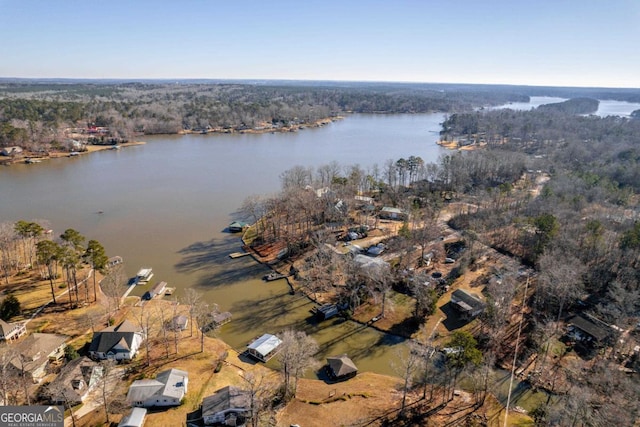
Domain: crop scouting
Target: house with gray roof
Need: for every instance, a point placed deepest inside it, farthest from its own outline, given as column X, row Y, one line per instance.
column 34, row 353
column 74, row 382
column 466, row 304
column 229, row 405
column 120, row 342
column 167, row 389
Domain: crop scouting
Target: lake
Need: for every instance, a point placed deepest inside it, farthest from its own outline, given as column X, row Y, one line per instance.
column 606, row 107
column 165, row 205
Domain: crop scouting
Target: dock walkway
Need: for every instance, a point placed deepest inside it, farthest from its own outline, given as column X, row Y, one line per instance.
column 235, row 255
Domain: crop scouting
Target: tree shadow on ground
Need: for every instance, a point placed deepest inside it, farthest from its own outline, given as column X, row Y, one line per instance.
column 406, row 328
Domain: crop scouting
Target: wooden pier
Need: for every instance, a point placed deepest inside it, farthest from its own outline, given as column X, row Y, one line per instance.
column 235, row 255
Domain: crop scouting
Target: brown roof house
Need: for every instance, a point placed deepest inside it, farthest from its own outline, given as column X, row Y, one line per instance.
column 35, row 352
column 12, row 331
column 229, row 405
column 120, row 342
column 74, row 382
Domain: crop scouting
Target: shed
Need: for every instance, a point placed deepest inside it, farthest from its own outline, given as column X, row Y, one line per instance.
column 326, row 311
column 135, row 418
column 392, row 213
column 468, row 305
column 157, row 289
column 237, row 226
column 178, row 323
column 265, row 347
column 588, row 329
column 341, row 367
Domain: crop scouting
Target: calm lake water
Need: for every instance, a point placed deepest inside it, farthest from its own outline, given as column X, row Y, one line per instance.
column 607, row 107
column 165, row 205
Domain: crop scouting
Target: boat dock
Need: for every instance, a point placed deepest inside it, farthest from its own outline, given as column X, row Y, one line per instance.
column 235, row 255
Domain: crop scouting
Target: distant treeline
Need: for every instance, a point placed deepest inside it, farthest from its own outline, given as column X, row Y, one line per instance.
column 602, row 148
column 38, row 113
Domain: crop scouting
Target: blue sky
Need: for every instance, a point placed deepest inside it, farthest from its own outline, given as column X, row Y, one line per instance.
column 536, row 42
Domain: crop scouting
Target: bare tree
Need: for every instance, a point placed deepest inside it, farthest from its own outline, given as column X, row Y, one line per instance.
column 296, row 356
column 107, row 384
column 260, row 387
column 112, row 285
column 58, row 393
column 560, row 280
column 191, row 298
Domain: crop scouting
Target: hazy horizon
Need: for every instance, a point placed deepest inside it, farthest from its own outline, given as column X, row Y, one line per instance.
column 543, row 43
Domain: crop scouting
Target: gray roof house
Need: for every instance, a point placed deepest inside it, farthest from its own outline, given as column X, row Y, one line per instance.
column 35, row 352
column 168, row 389
column 120, row 342
column 468, row 305
column 74, row 382
column 589, row 330
column 12, row 331
column 229, row 405
column 134, row 419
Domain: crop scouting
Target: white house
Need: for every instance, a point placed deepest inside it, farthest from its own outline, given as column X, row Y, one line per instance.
column 168, row 389
column 12, row 331
column 120, row 342
column 264, row 347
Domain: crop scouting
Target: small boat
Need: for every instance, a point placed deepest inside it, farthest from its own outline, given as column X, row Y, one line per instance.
column 273, row 276
column 31, row 161
column 144, row 275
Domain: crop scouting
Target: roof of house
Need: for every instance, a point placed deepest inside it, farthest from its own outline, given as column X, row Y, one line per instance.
column 170, row 383
column 225, row 398
column 592, row 326
column 79, row 369
column 265, row 344
column 467, row 301
column 36, row 348
column 341, row 365
column 134, row 419
column 389, row 209
column 121, row 334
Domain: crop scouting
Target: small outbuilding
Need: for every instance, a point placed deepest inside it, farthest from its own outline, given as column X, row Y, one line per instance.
column 157, row 289
column 341, row 368
column 393, row 213
column 326, row 311
column 589, row 330
column 265, row 347
column 135, row 418
column 237, row 226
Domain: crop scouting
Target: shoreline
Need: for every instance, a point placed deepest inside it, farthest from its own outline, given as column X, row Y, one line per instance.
column 265, row 129
column 30, row 157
